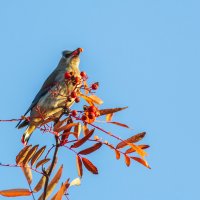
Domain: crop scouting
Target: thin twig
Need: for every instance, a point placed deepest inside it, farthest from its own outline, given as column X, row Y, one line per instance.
column 49, row 151
column 31, row 191
column 51, row 168
column 15, row 165
column 9, row 120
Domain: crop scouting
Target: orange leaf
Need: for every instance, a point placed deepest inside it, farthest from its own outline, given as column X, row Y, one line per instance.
column 132, row 139
column 61, row 191
column 22, row 154
column 40, row 184
column 79, row 166
column 30, row 154
column 127, row 160
column 141, row 161
column 91, row 149
column 110, row 110
column 119, row 124
column 77, row 130
column 83, row 140
column 89, row 166
column 37, row 155
column 92, row 99
column 85, row 87
column 109, row 117
column 87, row 99
column 138, row 149
column 42, row 162
column 117, row 153
column 85, row 130
column 96, row 99
column 142, row 146
column 66, row 127
column 15, row 193
column 28, row 173
column 53, row 183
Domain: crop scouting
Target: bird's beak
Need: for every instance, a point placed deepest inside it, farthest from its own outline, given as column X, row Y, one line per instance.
column 77, row 52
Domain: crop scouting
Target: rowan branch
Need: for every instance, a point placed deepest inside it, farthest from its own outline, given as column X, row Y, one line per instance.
column 48, row 174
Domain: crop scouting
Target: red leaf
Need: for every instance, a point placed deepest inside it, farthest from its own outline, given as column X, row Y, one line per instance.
column 89, row 166
column 119, row 124
column 83, row 140
column 132, row 139
column 110, row 110
column 37, row 155
column 91, row 149
column 42, row 162
column 127, row 160
column 79, row 166
column 141, row 161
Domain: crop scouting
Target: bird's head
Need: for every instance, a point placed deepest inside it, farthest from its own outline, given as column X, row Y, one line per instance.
column 72, row 57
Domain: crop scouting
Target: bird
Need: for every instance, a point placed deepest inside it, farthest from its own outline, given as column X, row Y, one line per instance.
column 53, row 97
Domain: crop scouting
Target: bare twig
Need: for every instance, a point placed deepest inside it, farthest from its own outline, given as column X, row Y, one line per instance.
column 48, row 174
column 15, row 165
column 9, row 120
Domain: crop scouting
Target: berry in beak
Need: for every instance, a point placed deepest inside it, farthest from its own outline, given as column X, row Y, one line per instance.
column 77, row 52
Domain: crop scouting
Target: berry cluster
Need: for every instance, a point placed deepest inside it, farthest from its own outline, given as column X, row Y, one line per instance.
column 69, row 76
column 76, row 80
column 90, row 114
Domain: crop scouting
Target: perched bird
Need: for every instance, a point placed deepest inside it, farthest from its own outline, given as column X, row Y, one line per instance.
column 53, row 97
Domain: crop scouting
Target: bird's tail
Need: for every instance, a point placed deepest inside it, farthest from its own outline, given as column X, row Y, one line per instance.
column 27, row 134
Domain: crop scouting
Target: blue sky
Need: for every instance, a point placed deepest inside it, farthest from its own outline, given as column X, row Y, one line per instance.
column 145, row 54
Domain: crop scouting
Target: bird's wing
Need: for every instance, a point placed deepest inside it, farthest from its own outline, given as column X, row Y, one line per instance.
column 48, row 84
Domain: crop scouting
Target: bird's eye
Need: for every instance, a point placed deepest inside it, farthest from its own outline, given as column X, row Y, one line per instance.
column 66, row 54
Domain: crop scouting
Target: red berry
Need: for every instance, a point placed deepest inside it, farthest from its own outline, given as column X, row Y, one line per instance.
column 91, row 115
column 95, row 86
column 92, row 109
column 67, row 75
column 73, row 94
column 77, row 99
column 74, row 113
column 84, row 117
column 83, row 75
column 77, row 80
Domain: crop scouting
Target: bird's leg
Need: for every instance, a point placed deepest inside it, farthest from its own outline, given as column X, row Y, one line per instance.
column 66, row 111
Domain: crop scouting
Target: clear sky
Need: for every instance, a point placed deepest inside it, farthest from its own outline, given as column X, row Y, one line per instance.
column 145, row 54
